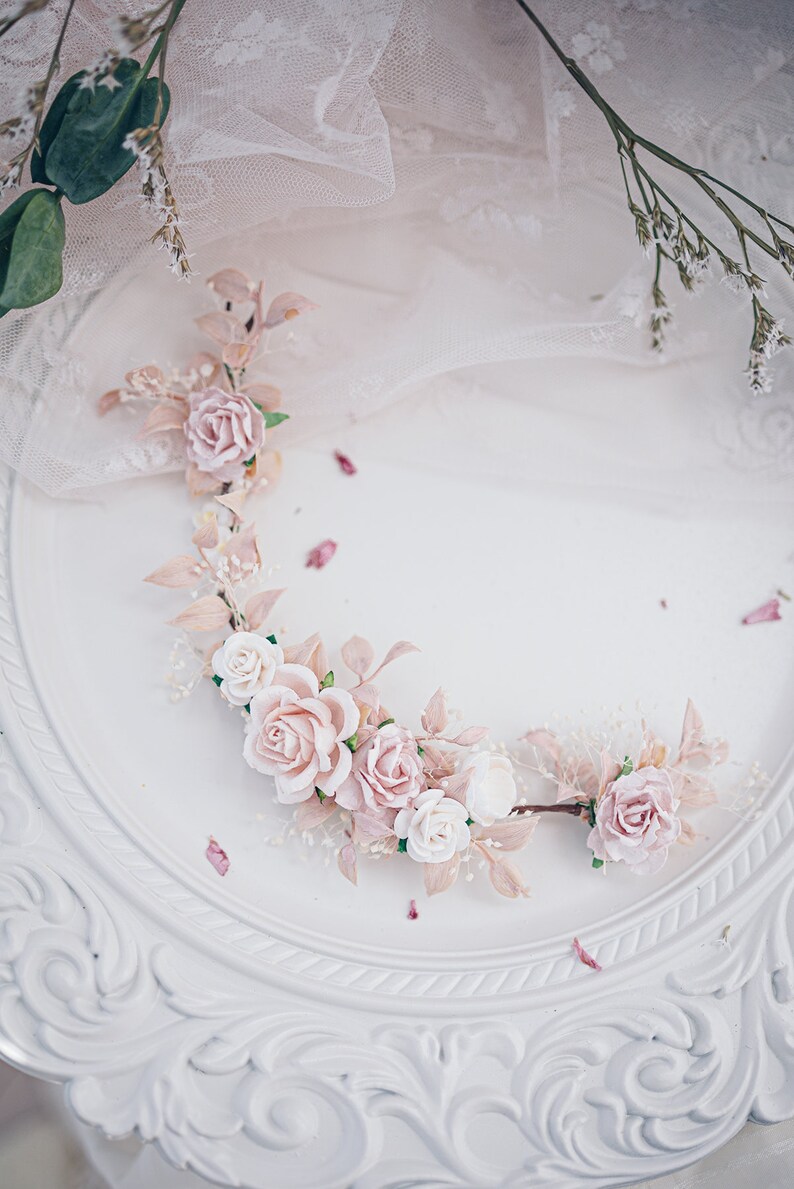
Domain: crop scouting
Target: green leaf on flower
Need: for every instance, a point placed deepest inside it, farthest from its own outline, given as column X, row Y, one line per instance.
column 469, row 821
column 247, row 708
column 598, row 863
column 218, row 680
column 402, row 845
column 272, row 419
column 352, row 742
column 50, row 127
column 272, row 639
column 327, row 681
column 627, row 769
column 387, row 722
column 86, row 156
column 249, row 462
column 421, row 750
column 591, row 812
column 32, row 234
column 320, row 794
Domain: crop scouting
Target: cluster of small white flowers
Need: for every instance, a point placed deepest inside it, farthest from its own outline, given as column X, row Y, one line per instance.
column 768, row 339
column 21, row 129
column 147, row 146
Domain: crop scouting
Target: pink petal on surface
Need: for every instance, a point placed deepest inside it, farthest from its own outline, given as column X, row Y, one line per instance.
column 179, row 571
column 413, row 911
column 321, row 554
column 232, row 285
column 768, row 613
column 285, row 307
column 218, row 857
column 583, row 955
column 346, row 860
column 108, row 401
column 345, row 464
column 209, row 614
column 358, row 654
column 260, row 605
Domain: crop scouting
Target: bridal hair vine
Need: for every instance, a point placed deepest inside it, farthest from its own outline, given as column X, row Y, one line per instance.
column 440, row 794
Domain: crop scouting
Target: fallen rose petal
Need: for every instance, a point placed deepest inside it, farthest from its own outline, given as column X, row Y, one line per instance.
column 260, row 605
column 768, row 613
column 413, row 911
column 205, row 615
column 583, row 955
column 345, row 464
column 218, row 857
column 179, row 571
column 321, row 554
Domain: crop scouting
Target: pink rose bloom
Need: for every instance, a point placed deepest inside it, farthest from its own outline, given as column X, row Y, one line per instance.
column 222, row 431
column 636, row 821
column 387, row 772
column 296, row 733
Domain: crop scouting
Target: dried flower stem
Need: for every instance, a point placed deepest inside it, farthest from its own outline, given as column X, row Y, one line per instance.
column 565, row 807
column 24, row 8
column 665, row 225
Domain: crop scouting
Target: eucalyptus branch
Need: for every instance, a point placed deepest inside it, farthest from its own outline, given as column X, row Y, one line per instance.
column 664, row 226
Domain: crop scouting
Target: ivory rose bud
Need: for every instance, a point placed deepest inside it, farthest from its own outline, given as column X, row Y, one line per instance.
column 491, row 792
column 387, row 772
column 222, row 431
column 434, row 826
column 296, row 733
column 245, row 663
column 636, row 821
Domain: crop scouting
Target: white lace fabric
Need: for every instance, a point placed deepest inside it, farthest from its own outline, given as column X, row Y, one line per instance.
column 429, row 173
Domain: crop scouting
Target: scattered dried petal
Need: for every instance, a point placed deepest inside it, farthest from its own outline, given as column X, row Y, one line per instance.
column 259, row 607
column 583, row 955
column 321, row 554
column 767, row 613
column 345, row 463
column 413, row 911
column 209, row 614
column 218, row 857
column 179, row 571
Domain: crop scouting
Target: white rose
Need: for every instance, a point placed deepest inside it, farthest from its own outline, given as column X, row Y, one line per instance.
column 434, row 826
column 245, row 663
column 492, row 791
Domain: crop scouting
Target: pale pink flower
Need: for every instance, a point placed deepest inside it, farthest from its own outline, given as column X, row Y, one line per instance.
column 223, row 431
column 387, row 772
column 636, row 821
column 296, row 733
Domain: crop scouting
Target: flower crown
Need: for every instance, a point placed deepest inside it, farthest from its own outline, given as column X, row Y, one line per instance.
column 372, row 784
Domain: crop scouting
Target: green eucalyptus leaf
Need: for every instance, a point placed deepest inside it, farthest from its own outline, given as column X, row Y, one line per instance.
column 598, row 863
column 272, row 419
column 50, row 127
column 87, row 156
column 31, row 250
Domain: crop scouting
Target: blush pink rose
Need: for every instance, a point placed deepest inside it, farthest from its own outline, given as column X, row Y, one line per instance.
column 222, row 431
column 636, row 821
column 296, row 733
column 387, row 772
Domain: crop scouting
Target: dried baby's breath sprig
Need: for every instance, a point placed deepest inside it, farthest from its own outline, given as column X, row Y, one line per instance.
column 19, row 10
column 660, row 220
column 128, row 34
column 147, row 145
